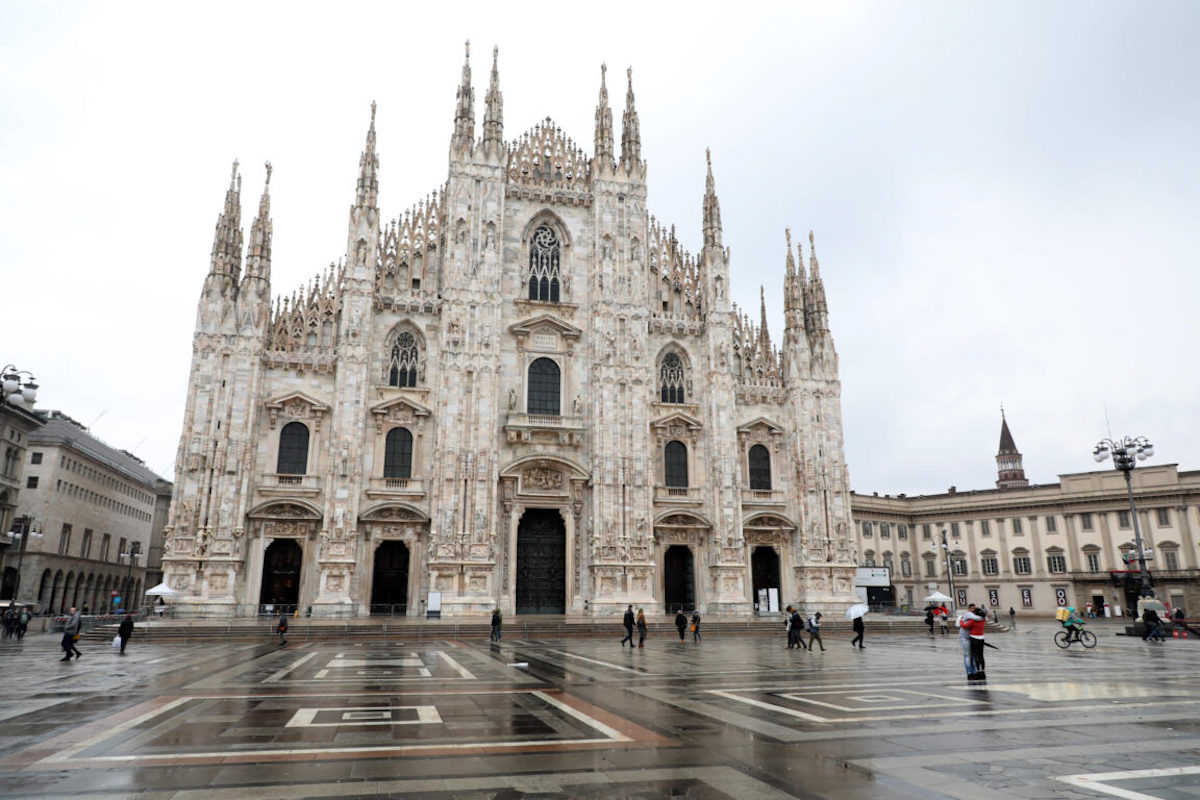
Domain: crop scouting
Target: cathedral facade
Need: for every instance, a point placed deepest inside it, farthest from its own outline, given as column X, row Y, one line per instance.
column 522, row 392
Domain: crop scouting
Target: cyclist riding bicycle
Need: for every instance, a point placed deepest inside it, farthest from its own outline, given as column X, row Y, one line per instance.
column 1073, row 624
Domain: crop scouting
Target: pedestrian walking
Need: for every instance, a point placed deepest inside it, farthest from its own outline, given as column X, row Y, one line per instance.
column 787, row 626
column 125, row 630
column 796, row 630
column 1153, row 630
column 964, row 639
column 22, row 623
column 680, row 623
column 944, row 620
column 814, row 631
column 929, row 619
column 71, row 635
column 859, row 629
column 497, row 622
column 9, row 620
column 628, row 623
column 641, row 626
column 1012, row 617
column 975, row 627
column 281, row 629
column 695, row 626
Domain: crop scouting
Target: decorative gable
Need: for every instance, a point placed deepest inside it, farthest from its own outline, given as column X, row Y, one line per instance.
column 545, row 332
column 401, row 411
column 759, row 431
column 297, row 405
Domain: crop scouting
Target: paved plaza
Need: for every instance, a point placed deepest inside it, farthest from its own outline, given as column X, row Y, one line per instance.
column 731, row 717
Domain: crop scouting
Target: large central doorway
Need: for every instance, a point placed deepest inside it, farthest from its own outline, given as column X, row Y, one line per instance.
column 541, row 563
column 764, row 574
column 389, row 584
column 281, row 575
column 679, row 577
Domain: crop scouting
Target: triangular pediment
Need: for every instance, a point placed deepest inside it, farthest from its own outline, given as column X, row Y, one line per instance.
column 398, row 404
column 292, row 398
column 676, row 418
column 545, row 323
column 760, row 423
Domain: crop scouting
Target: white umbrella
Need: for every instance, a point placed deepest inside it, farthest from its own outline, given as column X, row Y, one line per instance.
column 162, row 590
column 857, row 610
column 938, row 597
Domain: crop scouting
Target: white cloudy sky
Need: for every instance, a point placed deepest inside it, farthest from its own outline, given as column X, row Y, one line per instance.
column 1005, row 195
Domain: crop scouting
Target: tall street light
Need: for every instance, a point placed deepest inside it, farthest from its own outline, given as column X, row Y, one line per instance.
column 949, row 566
column 18, row 386
column 135, row 552
column 1125, row 454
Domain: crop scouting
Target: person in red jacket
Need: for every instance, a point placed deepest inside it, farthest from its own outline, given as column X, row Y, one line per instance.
column 974, row 624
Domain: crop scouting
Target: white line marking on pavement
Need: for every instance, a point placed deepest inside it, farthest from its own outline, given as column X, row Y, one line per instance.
column 457, row 667
column 608, row 664
column 278, row 676
column 1096, row 782
column 591, row 722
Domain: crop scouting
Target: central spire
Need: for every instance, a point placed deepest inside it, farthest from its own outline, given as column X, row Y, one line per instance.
column 493, row 116
column 227, row 241
column 604, row 127
column 367, row 194
column 464, row 113
column 258, row 254
column 631, row 134
column 712, row 207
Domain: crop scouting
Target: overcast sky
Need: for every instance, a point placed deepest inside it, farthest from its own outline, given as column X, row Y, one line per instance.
column 1004, row 196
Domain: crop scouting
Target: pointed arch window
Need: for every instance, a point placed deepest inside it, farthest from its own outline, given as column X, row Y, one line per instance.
column 404, row 360
column 293, row 449
column 760, row 468
column 397, row 454
column 544, row 388
column 671, row 378
column 544, row 272
column 675, row 465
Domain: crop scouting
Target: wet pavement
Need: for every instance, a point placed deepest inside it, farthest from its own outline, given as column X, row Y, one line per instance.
column 731, row 717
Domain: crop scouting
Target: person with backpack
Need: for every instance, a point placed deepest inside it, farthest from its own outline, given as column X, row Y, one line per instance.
column 497, row 622
column 695, row 626
column 796, row 631
column 814, row 631
column 22, row 623
column 281, row 629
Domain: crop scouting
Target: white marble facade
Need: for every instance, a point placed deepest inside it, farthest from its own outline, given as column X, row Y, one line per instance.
column 411, row 367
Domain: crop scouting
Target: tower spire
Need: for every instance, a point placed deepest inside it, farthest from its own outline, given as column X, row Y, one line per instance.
column 764, row 333
column 816, row 311
column 712, row 207
column 367, row 195
column 1009, row 466
column 464, row 113
column 258, row 254
column 493, row 116
column 227, row 241
column 631, row 133
column 793, row 288
column 604, row 127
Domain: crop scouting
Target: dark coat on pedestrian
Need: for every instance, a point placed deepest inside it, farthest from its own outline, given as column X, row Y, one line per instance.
column 125, row 629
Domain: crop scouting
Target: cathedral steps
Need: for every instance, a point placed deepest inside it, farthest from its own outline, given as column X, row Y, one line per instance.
column 400, row 629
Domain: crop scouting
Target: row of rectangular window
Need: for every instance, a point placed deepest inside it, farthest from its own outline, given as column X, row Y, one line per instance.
column 1162, row 515
column 64, row 543
column 96, row 475
column 1022, row 565
column 101, row 500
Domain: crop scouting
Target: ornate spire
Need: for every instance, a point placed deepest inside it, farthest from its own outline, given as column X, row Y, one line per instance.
column 367, row 195
column 816, row 317
column 493, row 116
column 258, row 254
column 464, row 113
column 764, row 333
column 712, row 207
column 793, row 287
column 1010, row 469
column 227, row 242
column 631, row 132
column 604, row 127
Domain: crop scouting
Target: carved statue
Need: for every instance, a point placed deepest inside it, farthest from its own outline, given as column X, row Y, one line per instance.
column 512, row 399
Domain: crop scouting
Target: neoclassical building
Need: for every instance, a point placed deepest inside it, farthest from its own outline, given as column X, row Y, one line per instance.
column 523, row 391
column 1034, row 547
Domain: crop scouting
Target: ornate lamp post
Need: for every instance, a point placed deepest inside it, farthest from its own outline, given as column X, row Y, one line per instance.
column 949, row 566
column 17, row 390
column 135, row 552
column 23, row 527
column 1125, row 454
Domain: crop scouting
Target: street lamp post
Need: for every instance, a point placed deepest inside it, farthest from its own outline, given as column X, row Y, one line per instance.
column 26, row 530
column 18, row 386
column 949, row 566
column 1125, row 454
column 135, row 552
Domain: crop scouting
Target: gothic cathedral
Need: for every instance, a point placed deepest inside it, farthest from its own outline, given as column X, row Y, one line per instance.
column 522, row 392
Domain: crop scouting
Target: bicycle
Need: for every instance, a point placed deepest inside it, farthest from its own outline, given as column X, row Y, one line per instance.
column 1086, row 638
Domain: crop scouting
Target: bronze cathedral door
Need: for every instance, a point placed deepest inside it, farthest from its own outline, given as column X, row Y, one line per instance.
column 541, row 563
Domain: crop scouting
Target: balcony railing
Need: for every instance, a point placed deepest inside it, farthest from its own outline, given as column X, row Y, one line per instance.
column 545, row 428
column 292, row 485
column 677, row 494
column 396, row 487
column 762, row 497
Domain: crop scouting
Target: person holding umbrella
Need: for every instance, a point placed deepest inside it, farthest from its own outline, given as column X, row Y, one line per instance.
column 974, row 624
column 856, row 613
